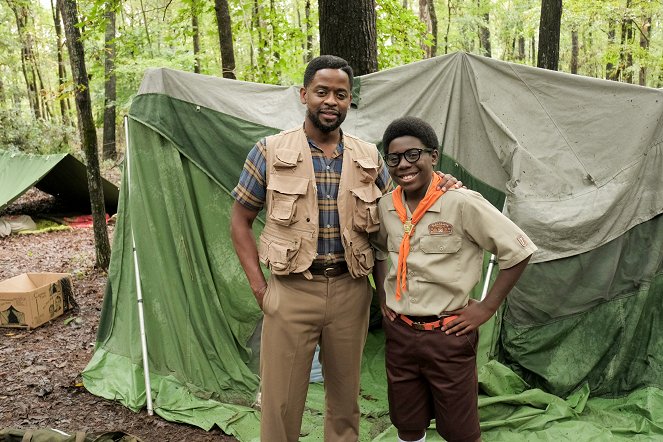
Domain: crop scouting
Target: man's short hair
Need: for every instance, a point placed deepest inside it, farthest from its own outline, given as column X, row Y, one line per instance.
column 412, row 126
column 326, row 62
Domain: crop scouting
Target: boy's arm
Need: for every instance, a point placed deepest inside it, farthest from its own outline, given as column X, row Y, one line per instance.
column 477, row 313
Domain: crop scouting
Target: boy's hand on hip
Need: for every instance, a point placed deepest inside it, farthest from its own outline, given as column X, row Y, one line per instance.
column 469, row 318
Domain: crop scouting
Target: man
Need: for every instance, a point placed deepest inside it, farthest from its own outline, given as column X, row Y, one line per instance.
column 436, row 242
column 320, row 188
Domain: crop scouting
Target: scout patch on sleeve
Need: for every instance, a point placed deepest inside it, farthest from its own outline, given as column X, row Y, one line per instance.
column 440, row 228
column 521, row 239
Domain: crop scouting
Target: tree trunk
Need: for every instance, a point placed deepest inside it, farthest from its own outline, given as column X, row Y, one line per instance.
column 110, row 92
column 22, row 15
column 147, row 29
column 62, row 72
column 424, row 16
column 309, row 34
column 45, row 108
column 433, row 26
column 446, row 35
column 260, row 49
column 196, row 37
column 574, row 51
column 521, row 48
column 549, row 33
column 644, row 45
column 484, row 29
column 625, row 53
column 348, row 30
column 610, row 71
column 225, row 38
column 87, row 130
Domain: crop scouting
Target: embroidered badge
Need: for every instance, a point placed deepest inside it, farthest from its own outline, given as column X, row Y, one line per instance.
column 440, row 228
column 521, row 239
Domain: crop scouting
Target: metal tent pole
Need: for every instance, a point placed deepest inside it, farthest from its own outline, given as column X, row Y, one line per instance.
column 139, row 291
column 491, row 265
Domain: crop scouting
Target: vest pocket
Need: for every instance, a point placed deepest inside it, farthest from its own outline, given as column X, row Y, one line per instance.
column 277, row 253
column 368, row 168
column 283, row 194
column 362, row 256
column 365, row 214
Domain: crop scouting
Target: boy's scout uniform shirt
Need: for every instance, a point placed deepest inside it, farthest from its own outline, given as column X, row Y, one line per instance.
column 446, row 250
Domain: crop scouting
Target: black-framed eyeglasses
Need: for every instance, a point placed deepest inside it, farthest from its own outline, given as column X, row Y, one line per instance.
column 411, row 155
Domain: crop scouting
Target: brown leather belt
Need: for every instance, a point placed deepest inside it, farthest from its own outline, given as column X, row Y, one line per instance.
column 426, row 322
column 329, row 270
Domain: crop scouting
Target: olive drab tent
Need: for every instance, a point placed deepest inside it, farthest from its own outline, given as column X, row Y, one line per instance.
column 61, row 175
column 576, row 350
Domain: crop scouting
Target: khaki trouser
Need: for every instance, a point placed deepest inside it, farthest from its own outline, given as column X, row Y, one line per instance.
column 299, row 313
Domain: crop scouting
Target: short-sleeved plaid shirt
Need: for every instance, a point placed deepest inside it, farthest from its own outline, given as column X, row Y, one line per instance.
column 251, row 192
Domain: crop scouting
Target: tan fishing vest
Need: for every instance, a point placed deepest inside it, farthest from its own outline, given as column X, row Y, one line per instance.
column 288, row 243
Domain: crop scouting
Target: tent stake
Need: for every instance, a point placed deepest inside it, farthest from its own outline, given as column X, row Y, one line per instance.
column 139, row 292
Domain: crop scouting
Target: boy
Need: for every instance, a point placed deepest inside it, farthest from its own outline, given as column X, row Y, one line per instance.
column 436, row 241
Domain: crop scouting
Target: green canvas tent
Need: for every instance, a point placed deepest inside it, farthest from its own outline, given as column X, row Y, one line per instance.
column 577, row 352
column 60, row 175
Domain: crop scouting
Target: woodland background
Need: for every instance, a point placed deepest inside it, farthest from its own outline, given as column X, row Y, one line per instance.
column 69, row 68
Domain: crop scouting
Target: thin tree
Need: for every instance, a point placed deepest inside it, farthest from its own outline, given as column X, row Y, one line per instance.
column 348, row 30
column 309, row 33
column 87, row 130
column 62, row 72
column 224, row 26
column 110, row 85
column 428, row 16
column 484, row 28
column 549, row 33
column 433, row 25
column 575, row 49
column 446, row 34
column 610, row 72
column 645, row 32
column 196, row 36
column 23, row 15
column 626, row 53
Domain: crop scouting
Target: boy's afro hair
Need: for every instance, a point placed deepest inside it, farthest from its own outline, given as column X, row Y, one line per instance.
column 412, row 126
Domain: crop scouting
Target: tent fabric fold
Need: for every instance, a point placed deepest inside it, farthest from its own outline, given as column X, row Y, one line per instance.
column 575, row 351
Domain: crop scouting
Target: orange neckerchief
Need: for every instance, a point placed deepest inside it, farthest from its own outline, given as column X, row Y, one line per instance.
column 432, row 194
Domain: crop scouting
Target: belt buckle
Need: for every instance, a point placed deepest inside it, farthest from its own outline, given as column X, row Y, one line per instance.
column 330, row 270
column 418, row 326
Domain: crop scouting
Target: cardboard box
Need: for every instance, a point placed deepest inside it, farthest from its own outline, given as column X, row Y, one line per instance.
column 31, row 299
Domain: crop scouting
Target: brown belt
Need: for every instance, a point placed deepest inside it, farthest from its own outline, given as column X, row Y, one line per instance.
column 330, row 270
column 421, row 323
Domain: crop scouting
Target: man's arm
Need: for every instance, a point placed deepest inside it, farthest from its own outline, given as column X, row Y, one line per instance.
column 448, row 182
column 477, row 313
column 379, row 275
column 241, row 232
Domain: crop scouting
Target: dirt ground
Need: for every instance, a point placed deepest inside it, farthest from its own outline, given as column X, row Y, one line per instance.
column 40, row 369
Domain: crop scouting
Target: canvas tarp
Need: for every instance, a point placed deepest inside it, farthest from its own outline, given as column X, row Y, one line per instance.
column 579, row 160
column 60, row 175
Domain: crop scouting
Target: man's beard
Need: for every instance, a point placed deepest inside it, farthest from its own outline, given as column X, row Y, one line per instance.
column 325, row 128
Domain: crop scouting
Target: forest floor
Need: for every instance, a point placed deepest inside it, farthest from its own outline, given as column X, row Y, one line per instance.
column 40, row 369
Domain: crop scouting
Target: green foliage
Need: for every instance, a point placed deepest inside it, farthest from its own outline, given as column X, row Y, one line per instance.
column 400, row 33
column 21, row 132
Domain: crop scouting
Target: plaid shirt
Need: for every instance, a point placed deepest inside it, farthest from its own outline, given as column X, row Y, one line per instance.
column 251, row 193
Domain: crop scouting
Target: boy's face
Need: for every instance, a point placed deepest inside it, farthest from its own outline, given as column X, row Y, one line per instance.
column 412, row 177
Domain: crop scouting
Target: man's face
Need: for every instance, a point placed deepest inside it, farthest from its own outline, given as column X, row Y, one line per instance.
column 327, row 99
column 412, row 177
